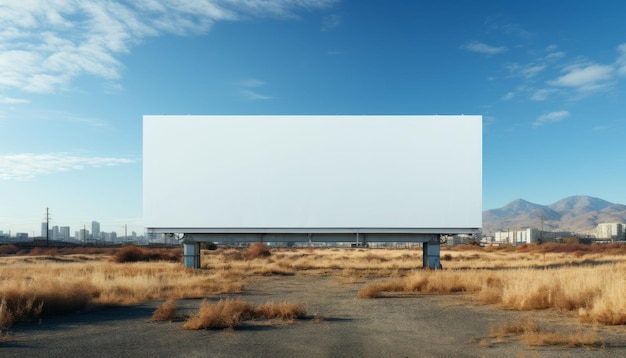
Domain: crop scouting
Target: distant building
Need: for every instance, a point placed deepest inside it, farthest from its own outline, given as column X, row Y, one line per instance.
column 517, row 236
column 44, row 229
column 611, row 231
column 82, row 235
column 95, row 229
column 21, row 236
column 64, row 233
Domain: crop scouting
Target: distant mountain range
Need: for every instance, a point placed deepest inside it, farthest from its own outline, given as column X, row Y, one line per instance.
column 580, row 214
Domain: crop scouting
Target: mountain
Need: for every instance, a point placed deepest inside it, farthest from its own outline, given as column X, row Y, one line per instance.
column 579, row 204
column 578, row 213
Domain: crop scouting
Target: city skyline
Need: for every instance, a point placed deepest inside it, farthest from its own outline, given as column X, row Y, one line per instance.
column 65, row 233
column 77, row 77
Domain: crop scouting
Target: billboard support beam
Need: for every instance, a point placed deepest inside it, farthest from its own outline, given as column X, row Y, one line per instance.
column 430, row 243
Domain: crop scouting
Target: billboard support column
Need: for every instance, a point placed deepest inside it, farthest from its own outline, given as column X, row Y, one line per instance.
column 191, row 254
column 431, row 254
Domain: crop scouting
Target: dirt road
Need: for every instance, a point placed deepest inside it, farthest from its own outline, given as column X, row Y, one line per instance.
column 422, row 326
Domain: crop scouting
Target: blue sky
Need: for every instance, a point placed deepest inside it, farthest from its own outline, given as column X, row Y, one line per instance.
column 76, row 77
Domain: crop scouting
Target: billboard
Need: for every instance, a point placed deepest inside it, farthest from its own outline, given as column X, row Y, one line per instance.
column 311, row 173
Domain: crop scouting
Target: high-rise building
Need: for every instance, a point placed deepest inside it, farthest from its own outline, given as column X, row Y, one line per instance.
column 44, row 229
column 613, row 231
column 55, row 232
column 95, row 229
column 64, row 233
column 82, row 235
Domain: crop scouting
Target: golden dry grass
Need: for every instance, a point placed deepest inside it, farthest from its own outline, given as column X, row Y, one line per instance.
column 533, row 334
column 585, row 280
column 166, row 311
column 231, row 313
column 30, row 286
column 594, row 293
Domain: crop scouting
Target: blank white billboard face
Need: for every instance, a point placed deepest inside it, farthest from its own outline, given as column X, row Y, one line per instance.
column 318, row 172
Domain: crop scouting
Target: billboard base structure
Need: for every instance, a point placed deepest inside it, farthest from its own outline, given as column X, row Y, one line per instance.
column 430, row 242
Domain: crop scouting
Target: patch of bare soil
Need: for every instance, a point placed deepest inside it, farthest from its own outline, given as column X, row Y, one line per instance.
column 340, row 325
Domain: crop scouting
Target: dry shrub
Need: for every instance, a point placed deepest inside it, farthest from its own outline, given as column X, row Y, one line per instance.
column 230, row 313
column 271, row 270
column 283, row 310
column 568, row 339
column 166, row 311
column 514, row 328
column 49, row 298
column 233, row 255
column 36, row 251
column 9, row 249
column 227, row 313
column 256, row 250
column 375, row 290
column 373, row 257
column 71, row 297
column 135, row 254
column 532, row 334
column 15, row 309
column 130, row 254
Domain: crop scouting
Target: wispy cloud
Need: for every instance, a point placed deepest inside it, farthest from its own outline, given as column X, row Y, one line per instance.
column 499, row 25
column 479, row 47
column 585, row 77
column 331, row 22
column 246, row 88
column 250, row 83
column 27, row 166
column 44, row 45
column 542, row 94
column 254, row 95
column 10, row 100
column 527, row 71
column 509, row 96
column 550, row 118
column 621, row 60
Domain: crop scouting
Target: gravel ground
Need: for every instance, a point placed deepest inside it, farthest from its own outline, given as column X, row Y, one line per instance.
column 403, row 326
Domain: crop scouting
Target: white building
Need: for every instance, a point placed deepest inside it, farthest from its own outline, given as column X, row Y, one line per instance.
column 82, row 235
column 95, row 229
column 44, row 229
column 64, row 233
column 517, row 236
column 612, row 231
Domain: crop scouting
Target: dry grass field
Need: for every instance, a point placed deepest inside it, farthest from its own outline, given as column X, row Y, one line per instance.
column 580, row 280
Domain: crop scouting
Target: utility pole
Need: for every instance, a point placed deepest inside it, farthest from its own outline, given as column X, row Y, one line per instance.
column 542, row 239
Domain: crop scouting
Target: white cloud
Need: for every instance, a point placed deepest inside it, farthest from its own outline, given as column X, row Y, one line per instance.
column 479, row 47
column 251, row 82
column 9, row 100
column 528, row 71
column 27, row 166
column 587, row 77
column 245, row 89
column 550, row 118
column 555, row 56
column 551, row 48
column 331, row 22
column 45, row 44
column 509, row 96
column 254, row 95
column 542, row 94
column 621, row 60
